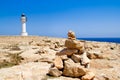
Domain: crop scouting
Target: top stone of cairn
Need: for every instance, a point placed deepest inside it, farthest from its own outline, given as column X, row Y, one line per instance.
column 71, row 35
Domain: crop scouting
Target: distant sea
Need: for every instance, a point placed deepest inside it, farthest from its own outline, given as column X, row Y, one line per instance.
column 114, row 40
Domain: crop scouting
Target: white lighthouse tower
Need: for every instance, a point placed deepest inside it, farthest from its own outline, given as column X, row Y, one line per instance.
column 24, row 20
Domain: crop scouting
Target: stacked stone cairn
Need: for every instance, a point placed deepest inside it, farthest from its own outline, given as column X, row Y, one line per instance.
column 72, row 61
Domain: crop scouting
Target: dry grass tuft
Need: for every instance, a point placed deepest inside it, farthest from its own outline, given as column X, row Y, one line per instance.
column 15, row 59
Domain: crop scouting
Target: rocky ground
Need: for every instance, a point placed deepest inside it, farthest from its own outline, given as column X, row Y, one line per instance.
column 29, row 58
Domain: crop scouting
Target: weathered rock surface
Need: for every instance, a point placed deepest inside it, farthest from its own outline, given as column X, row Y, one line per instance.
column 89, row 76
column 48, row 57
column 72, row 69
column 30, row 55
column 58, row 62
column 76, row 58
column 85, row 60
column 62, row 78
column 67, row 52
column 71, row 35
column 55, row 72
column 29, row 71
column 74, row 44
column 106, row 68
column 95, row 54
column 63, row 57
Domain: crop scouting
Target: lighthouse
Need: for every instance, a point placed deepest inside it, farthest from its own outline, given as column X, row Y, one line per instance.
column 24, row 20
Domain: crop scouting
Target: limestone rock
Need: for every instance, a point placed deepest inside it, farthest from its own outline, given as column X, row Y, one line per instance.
column 71, row 35
column 95, row 54
column 30, row 55
column 29, row 71
column 72, row 69
column 105, row 77
column 64, row 57
column 48, row 57
column 58, row 62
column 85, row 60
column 55, row 72
column 106, row 69
column 67, row 52
column 76, row 58
column 62, row 78
column 89, row 76
column 74, row 44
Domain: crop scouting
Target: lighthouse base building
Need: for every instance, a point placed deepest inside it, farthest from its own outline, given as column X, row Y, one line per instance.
column 24, row 34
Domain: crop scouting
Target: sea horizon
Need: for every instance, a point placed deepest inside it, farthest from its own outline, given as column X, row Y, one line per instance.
column 99, row 39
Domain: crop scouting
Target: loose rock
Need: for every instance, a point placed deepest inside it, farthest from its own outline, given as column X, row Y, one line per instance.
column 74, row 44
column 67, row 52
column 85, row 60
column 58, row 62
column 89, row 76
column 55, row 72
column 72, row 69
column 76, row 58
column 71, row 35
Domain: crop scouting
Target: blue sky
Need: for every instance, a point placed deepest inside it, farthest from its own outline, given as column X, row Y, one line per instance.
column 87, row 18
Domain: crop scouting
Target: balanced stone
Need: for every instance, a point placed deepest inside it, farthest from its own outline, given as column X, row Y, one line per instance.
column 76, row 58
column 58, row 62
column 55, row 72
column 67, row 52
column 74, row 44
column 72, row 69
column 71, row 35
column 85, row 61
